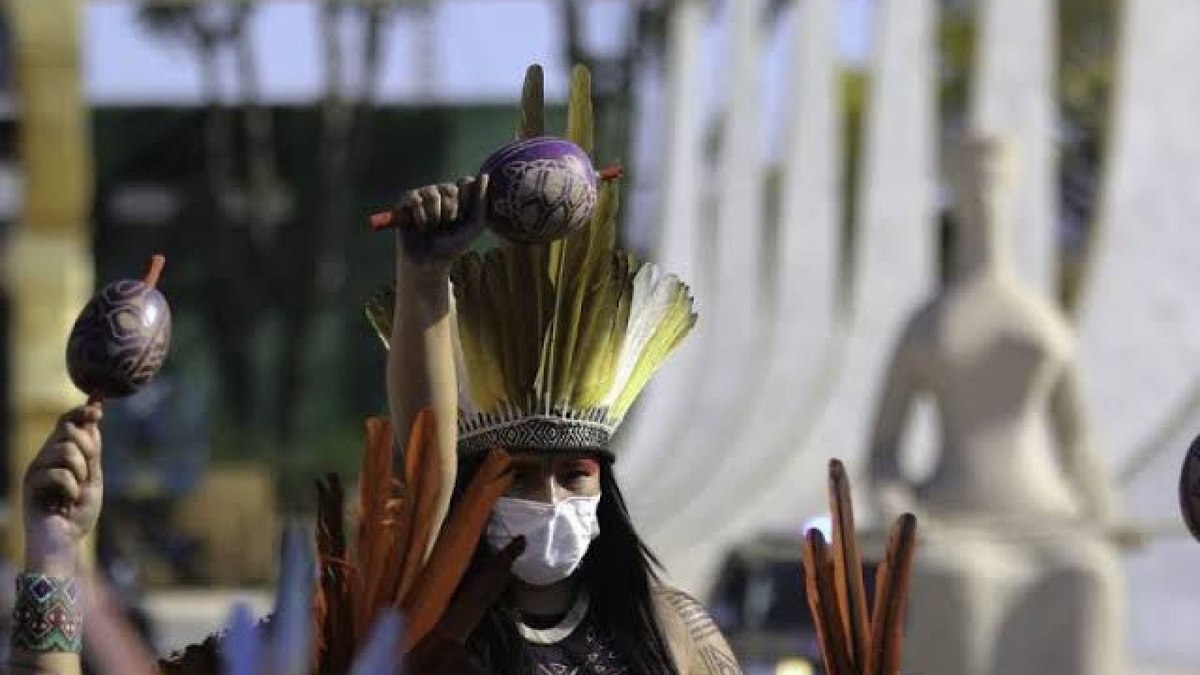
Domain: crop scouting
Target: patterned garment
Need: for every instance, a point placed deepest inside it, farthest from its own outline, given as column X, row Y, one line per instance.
column 588, row 650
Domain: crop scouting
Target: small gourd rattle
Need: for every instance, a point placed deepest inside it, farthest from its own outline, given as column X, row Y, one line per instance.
column 539, row 189
column 121, row 337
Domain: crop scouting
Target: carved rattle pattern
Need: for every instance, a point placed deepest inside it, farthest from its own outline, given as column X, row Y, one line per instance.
column 120, row 340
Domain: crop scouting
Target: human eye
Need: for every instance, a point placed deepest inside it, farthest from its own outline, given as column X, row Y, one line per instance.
column 523, row 480
column 579, row 471
column 575, row 477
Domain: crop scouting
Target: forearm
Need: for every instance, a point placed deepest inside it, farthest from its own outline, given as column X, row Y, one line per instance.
column 23, row 662
column 421, row 365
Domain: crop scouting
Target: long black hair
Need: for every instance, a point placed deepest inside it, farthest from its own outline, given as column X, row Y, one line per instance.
column 617, row 571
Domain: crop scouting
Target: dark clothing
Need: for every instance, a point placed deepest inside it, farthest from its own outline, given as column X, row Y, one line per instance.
column 588, row 650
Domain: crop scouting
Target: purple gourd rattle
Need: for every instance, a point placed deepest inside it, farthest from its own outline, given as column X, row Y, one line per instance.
column 121, row 337
column 539, row 190
column 1189, row 489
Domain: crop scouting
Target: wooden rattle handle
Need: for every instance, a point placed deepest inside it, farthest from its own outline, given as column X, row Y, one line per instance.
column 152, row 273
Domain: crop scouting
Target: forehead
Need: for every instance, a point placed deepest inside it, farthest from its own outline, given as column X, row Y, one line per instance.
column 535, row 459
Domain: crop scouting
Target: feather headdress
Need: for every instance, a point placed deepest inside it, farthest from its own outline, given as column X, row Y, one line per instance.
column 557, row 339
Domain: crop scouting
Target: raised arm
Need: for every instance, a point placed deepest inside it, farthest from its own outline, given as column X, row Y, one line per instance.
column 436, row 226
column 62, row 493
column 1081, row 465
column 888, row 488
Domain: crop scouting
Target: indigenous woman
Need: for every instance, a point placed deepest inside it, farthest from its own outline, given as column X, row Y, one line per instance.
column 541, row 348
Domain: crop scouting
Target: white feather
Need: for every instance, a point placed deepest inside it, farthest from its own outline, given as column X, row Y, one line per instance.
column 653, row 295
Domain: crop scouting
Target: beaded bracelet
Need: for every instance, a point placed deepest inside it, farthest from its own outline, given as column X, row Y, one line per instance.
column 47, row 616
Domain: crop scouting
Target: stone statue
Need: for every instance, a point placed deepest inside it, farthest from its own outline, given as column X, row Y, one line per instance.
column 1015, row 573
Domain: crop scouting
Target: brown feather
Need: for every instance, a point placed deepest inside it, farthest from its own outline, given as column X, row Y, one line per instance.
column 335, row 628
column 838, row 646
column 813, row 592
column 891, row 595
column 851, row 591
column 379, row 528
column 422, row 497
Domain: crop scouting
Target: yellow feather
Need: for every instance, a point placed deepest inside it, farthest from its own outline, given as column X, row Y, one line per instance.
column 533, row 114
column 486, row 380
column 579, row 109
column 601, row 286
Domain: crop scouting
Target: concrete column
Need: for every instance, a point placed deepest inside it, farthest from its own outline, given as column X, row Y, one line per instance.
column 680, row 237
column 802, row 236
column 1140, row 325
column 1014, row 94
column 737, row 311
column 50, row 267
column 895, row 272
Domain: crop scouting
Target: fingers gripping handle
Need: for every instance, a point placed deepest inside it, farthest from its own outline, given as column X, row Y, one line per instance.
column 423, row 240
column 53, row 497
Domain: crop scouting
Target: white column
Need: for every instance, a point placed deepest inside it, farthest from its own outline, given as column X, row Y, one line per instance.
column 1014, row 93
column 895, row 272
column 736, row 314
column 1140, row 327
column 804, row 257
column 641, row 437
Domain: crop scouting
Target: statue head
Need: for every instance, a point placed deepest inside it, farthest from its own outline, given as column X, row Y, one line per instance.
column 982, row 174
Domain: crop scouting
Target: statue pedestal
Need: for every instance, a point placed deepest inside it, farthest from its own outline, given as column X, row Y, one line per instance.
column 1029, row 599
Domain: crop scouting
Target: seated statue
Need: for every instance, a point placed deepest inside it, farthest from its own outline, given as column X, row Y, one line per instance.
column 1015, row 572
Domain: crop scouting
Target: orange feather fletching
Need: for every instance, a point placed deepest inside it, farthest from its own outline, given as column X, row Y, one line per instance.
column 423, row 470
column 388, row 565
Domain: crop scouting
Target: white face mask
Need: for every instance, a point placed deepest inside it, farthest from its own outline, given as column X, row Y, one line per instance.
column 556, row 535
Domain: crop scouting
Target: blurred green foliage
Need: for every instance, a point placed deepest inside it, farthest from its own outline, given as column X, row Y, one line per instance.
column 146, row 155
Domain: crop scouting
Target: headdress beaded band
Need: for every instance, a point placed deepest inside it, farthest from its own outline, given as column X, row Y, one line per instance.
column 47, row 616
